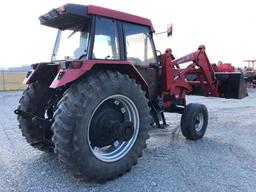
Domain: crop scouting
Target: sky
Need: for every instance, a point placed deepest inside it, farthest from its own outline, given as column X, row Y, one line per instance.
column 226, row 27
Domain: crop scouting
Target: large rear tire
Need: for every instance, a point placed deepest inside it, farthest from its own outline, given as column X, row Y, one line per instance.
column 81, row 135
column 34, row 100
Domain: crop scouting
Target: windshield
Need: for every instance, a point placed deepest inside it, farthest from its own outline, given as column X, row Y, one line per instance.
column 70, row 45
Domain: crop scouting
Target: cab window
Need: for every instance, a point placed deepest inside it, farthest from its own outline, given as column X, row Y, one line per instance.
column 139, row 46
column 106, row 40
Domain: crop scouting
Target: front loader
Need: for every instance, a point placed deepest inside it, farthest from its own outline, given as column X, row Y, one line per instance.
column 105, row 85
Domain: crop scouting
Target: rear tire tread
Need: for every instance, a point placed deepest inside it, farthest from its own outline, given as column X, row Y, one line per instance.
column 70, row 154
column 34, row 100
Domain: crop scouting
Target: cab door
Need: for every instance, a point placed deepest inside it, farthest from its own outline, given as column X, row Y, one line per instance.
column 140, row 51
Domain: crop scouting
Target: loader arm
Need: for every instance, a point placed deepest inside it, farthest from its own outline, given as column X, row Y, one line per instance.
column 177, row 80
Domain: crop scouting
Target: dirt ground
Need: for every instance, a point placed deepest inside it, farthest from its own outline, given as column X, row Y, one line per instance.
column 224, row 160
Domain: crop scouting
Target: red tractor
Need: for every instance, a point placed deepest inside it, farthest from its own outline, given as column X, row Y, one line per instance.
column 225, row 67
column 106, row 84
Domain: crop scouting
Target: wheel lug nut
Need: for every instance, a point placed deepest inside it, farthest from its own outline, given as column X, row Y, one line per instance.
column 116, row 143
column 123, row 110
column 116, row 102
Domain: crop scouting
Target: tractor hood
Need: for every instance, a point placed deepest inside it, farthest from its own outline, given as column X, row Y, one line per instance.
column 70, row 16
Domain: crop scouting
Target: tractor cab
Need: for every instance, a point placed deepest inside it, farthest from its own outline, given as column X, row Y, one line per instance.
column 95, row 33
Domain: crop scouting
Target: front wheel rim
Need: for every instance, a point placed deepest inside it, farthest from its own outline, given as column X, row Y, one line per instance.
column 199, row 122
column 117, row 149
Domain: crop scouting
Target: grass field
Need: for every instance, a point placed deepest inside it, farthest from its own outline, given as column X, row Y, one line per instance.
column 11, row 80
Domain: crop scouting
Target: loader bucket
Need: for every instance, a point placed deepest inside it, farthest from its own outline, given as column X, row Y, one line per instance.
column 232, row 85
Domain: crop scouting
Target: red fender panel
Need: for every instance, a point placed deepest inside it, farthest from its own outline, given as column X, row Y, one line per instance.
column 66, row 76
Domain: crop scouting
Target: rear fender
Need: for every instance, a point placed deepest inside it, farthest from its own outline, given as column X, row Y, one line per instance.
column 66, row 76
column 41, row 71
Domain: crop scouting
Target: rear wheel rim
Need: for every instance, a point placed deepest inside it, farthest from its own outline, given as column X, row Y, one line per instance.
column 118, row 149
column 199, row 122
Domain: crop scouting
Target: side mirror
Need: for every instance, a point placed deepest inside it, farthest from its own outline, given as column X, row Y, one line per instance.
column 169, row 30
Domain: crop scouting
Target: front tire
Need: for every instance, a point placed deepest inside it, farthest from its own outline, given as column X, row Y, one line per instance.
column 194, row 121
column 81, row 135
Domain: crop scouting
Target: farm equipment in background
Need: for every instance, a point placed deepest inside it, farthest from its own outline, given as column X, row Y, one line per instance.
column 95, row 100
column 249, row 72
column 225, row 67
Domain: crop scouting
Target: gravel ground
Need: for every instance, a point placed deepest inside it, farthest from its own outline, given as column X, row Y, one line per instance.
column 224, row 160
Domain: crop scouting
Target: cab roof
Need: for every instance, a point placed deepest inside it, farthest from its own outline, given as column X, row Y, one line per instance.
column 64, row 16
column 96, row 10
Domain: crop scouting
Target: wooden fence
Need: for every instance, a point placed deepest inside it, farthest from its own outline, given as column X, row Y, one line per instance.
column 10, row 80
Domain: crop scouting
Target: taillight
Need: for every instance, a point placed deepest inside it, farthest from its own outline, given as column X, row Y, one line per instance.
column 62, row 8
column 58, row 68
column 75, row 65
